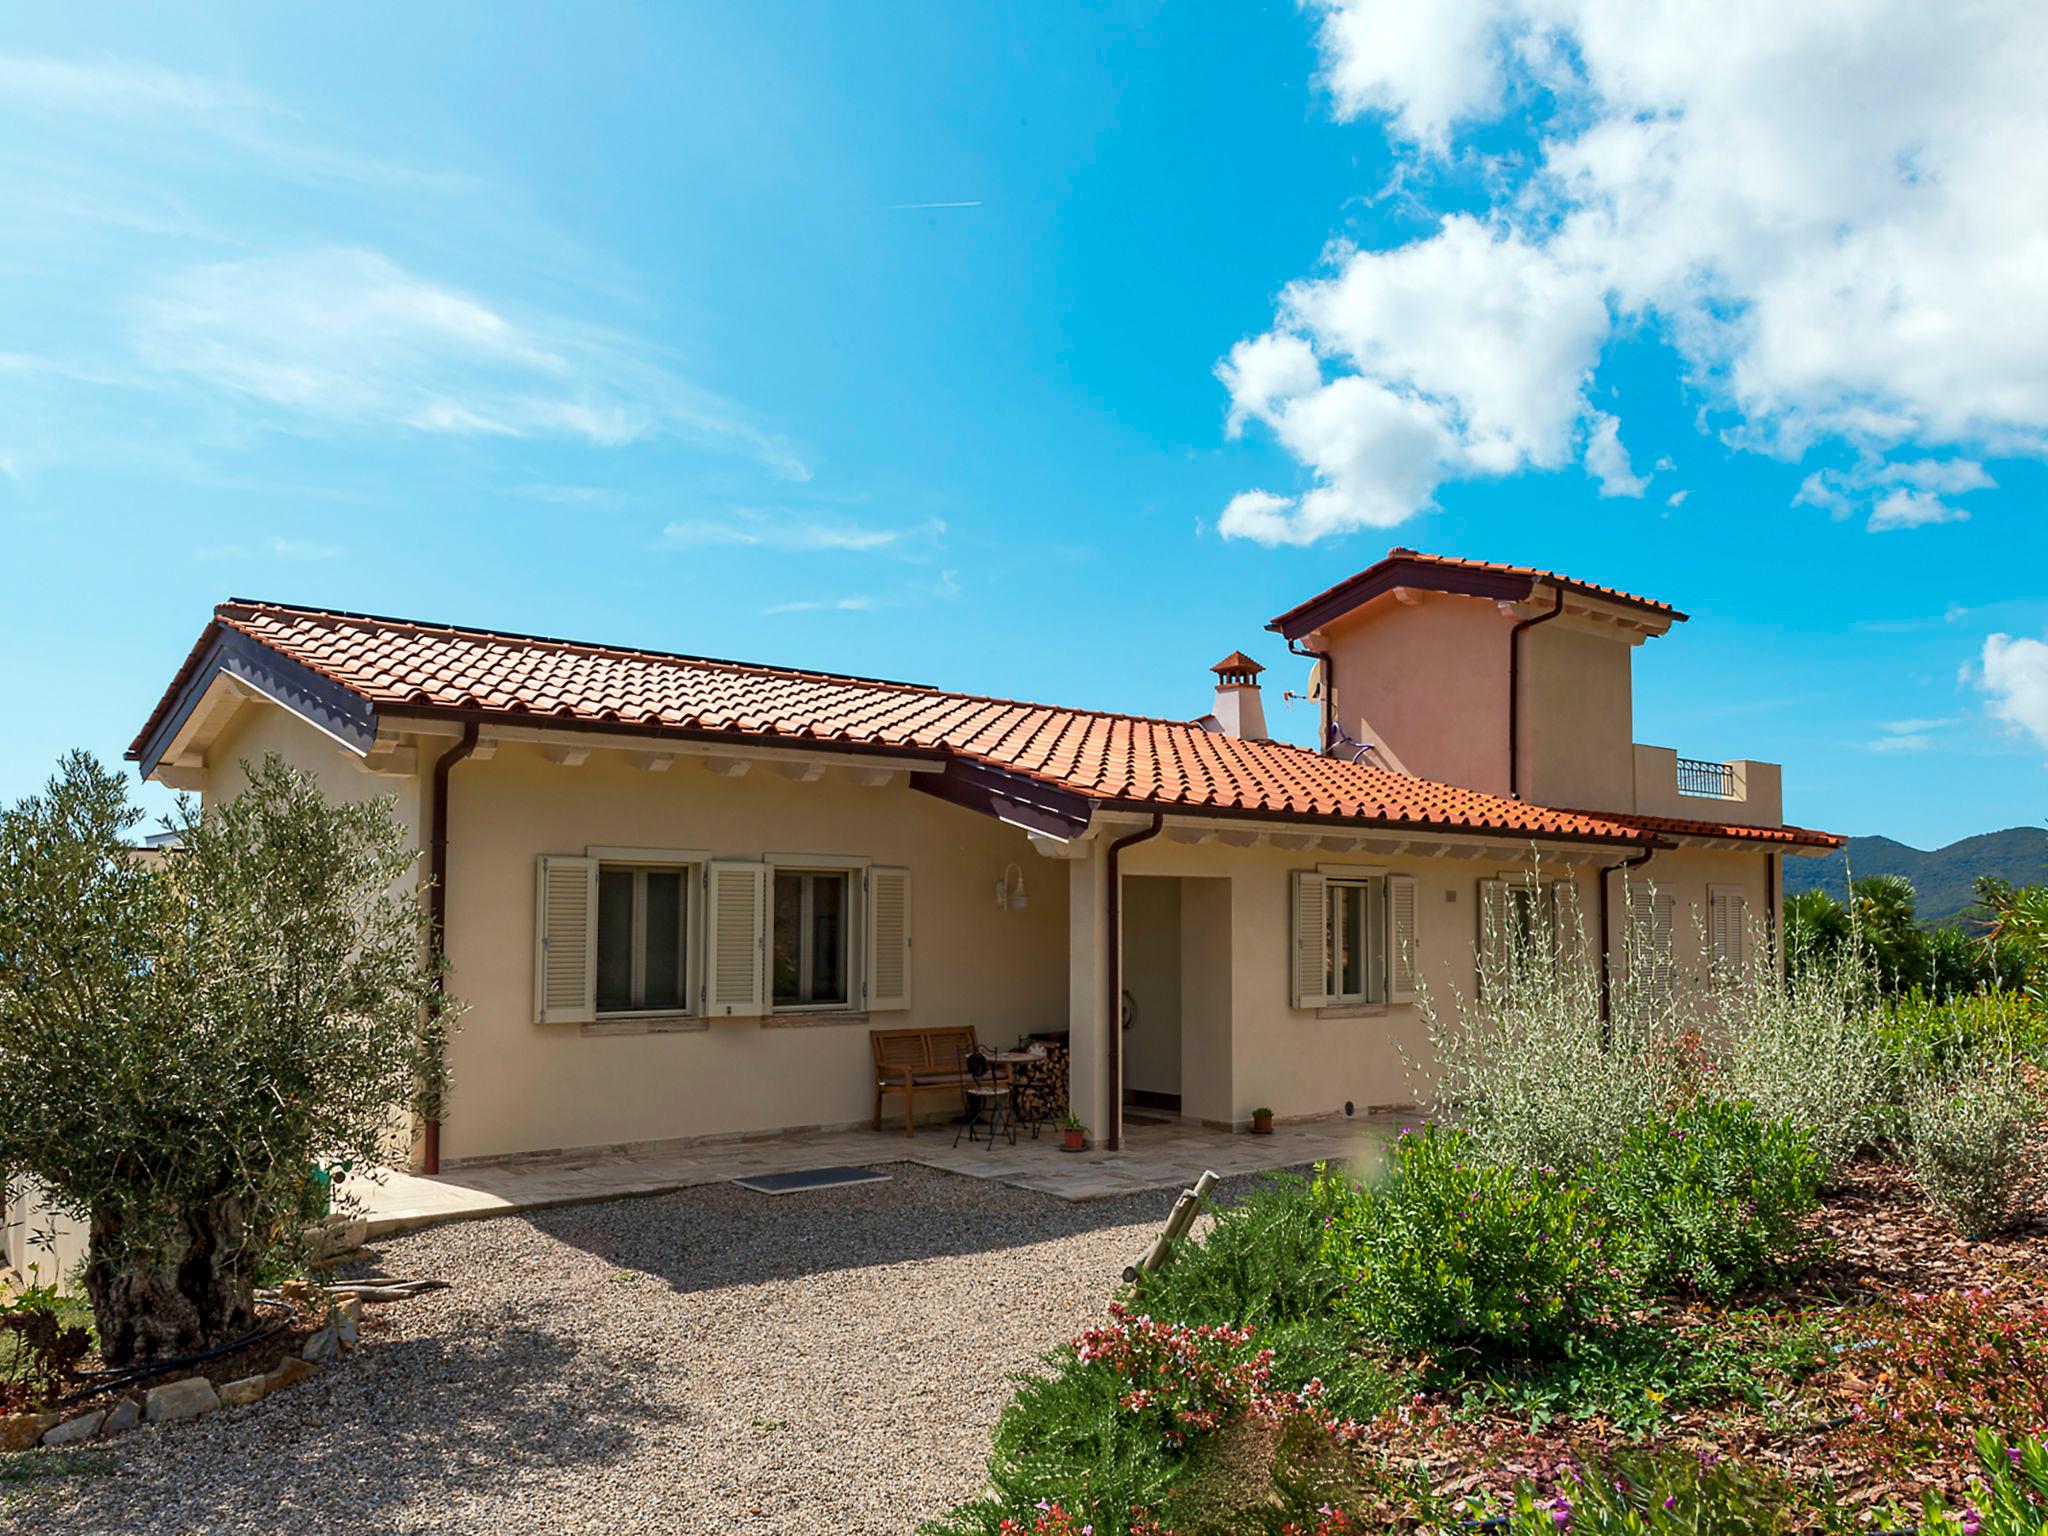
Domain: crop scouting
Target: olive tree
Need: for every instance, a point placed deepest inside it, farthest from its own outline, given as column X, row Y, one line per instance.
column 183, row 1039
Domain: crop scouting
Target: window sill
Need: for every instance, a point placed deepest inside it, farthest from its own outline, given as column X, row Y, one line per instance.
column 1353, row 1011
column 807, row 1018
column 659, row 1024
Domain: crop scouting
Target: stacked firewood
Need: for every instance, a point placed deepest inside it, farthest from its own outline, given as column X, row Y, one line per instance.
column 1042, row 1085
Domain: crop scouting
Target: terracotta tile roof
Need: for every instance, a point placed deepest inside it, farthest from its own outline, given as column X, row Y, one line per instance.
column 1673, row 826
column 1450, row 573
column 399, row 665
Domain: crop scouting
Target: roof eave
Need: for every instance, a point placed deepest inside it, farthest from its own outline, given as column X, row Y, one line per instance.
column 1431, row 576
column 224, row 651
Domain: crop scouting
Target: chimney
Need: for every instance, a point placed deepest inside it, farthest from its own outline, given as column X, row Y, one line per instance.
column 1240, row 711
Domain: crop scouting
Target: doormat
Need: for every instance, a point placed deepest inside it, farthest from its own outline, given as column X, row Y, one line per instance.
column 809, row 1178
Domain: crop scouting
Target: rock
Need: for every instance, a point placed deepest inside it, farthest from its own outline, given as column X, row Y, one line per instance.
column 240, row 1394
column 324, row 1346
column 19, row 1431
column 336, row 1235
column 289, row 1371
column 185, row 1399
column 126, row 1414
column 71, row 1431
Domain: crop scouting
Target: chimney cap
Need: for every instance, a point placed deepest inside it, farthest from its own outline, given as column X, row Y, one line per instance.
column 1237, row 668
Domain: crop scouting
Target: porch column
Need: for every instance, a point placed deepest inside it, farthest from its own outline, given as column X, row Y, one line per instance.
column 1092, row 1032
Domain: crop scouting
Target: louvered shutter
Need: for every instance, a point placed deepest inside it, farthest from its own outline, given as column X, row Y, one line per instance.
column 1724, row 928
column 735, row 939
column 1496, row 940
column 1404, row 970
column 886, row 980
column 1309, row 977
column 1654, row 915
column 565, row 941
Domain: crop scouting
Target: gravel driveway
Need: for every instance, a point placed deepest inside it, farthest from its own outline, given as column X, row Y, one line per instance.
column 711, row 1361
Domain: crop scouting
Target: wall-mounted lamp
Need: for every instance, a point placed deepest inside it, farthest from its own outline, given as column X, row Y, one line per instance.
column 1012, row 898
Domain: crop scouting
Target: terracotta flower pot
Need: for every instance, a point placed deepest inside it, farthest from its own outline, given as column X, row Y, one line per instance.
column 1076, row 1141
column 1262, row 1125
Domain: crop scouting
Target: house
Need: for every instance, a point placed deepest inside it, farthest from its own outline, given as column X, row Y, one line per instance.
column 677, row 892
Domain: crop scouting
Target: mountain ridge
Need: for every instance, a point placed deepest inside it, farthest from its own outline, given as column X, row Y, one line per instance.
column 1944, row 878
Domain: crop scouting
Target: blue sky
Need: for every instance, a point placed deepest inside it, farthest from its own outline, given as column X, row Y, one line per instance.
column 1045, row 351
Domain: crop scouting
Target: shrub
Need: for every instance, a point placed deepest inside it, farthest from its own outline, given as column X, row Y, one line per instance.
column 1967, row 1143
column 1925, row 1038
column 1066, row 1439
column 1712, row 1196
column 1451, row 1251
column 1528, row 1065
column 1805, row 1050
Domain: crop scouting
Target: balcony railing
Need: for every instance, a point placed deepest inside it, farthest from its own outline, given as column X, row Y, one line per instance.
column 1707, row 781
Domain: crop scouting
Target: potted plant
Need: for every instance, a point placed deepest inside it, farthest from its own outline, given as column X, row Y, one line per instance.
column 1262, row 1122
column 1076, row 1135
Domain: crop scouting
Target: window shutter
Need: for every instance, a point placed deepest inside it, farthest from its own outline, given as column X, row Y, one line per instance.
column 1309, row 981
column 1404, row 970
column 885, row 981
column 1495, row 932
column 565, row 941
column 1724, row 928
column 1654, row 914
column 735, row 939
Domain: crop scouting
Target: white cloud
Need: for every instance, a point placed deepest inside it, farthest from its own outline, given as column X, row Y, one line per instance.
column 293, row 550
column 2014, row 673
column 752, row 528
column 1911, row 509
column 1900, row 494
column 340, row 336
column 1607, row 461
column 1909, row 741
column 860, row 603
column 1677, row 498
column 1835, row 214
column 1455, row 347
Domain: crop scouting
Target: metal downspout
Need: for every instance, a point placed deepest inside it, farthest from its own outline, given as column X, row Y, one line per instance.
column 1515, row 692
column 1606, row 952
column 437, row 909
column 1771, row 912
column 1113, row 915
column 1327, row 702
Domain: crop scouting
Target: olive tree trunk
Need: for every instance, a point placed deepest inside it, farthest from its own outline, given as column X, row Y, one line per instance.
column 158, row 1301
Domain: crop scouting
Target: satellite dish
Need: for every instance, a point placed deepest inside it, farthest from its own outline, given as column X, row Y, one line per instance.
column 1315, row 681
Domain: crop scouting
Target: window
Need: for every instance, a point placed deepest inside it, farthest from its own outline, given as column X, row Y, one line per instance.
column 643, row 939
column 1526, row 926
column 1354, row 964
column 811, row 958
column 1354, row 934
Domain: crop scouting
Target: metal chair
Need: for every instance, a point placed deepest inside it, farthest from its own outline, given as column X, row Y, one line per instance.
column 988, row 1092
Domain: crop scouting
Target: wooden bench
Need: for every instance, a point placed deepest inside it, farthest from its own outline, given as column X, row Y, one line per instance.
column 914, row 1061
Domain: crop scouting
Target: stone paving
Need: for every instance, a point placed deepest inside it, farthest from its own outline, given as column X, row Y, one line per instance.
column 1155, row 1156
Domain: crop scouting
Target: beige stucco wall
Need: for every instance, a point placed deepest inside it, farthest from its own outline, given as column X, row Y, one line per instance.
column 1577, row 718
column 1426, row 682
column 1207, row 935
column 522, row 1086
column 260, row 728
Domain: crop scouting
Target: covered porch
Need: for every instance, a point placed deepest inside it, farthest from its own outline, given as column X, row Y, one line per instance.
column 1158, row 1154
